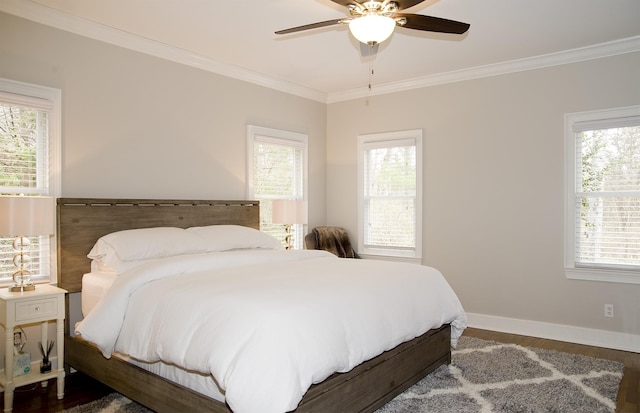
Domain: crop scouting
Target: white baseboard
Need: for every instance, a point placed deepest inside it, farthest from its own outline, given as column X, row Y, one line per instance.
column 571, row 334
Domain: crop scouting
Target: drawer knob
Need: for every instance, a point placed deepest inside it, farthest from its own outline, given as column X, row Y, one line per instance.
column 38, row 308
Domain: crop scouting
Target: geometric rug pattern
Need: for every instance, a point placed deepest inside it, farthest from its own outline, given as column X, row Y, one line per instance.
column 485, row 377
column 490, row 377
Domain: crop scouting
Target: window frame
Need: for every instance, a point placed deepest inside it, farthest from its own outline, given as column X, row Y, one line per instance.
column 592, row 272
column 377, row 140
column 49, row 99
column 285, row 138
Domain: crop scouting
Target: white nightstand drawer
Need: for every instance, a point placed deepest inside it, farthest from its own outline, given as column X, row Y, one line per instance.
column 36, row 309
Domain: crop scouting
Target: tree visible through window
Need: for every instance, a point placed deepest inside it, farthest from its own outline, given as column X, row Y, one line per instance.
column 390, row 190
column 23, row 133
column 608, row 193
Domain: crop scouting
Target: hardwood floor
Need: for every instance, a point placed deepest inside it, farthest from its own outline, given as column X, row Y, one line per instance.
column 81, row 389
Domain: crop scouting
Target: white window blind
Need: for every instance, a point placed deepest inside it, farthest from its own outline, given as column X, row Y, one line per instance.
column 29, row 157
column 604, row 199
column 24, row 148
column 277, row 170
column 390, row 194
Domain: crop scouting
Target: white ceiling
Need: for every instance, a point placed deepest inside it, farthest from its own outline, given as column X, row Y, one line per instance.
column 238, row 36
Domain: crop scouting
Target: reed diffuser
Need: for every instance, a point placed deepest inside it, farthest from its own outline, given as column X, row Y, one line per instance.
column 45, row 365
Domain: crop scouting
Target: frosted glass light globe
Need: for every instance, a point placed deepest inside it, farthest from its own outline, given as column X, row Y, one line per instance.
column 372, row 28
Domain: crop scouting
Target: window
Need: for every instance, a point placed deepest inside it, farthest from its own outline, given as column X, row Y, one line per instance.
column 29, row 165
column 602, row 214
column 390, row 194
column 277, row 169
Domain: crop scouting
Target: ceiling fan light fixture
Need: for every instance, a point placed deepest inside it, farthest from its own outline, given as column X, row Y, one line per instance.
column 372, row 28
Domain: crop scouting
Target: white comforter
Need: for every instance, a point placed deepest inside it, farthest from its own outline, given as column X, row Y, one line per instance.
column 269, row 324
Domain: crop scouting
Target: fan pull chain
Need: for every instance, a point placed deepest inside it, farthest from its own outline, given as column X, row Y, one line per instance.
column 370, row 65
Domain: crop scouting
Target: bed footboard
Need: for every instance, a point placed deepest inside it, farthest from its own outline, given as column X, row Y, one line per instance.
column 148, row 389
column 377, row 381
column 364, row 389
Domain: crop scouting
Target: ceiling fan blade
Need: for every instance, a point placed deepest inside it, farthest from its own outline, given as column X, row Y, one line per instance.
column 310, row 26
column 405, row 4
column 432, row 24
column 344, row 3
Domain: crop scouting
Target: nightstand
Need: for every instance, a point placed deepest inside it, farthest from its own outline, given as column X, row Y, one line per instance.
column 44, row 304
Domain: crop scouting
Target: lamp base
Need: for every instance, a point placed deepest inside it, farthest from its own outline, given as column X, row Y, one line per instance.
column 287, row 238
column 21, row 288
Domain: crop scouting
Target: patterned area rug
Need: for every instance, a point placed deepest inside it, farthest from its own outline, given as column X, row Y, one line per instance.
column 485, row 377
column 488, row 377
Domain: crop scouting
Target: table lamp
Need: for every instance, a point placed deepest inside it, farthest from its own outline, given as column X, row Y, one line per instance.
column 23, row 217
column 289, row 212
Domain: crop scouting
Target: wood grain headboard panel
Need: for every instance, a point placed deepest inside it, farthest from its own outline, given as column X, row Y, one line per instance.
column 82, row 221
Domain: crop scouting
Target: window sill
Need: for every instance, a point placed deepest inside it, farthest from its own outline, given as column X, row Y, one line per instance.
column 603, row 275
column 391, row 258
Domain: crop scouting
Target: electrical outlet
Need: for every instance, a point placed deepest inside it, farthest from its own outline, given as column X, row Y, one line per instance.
column 608, row 310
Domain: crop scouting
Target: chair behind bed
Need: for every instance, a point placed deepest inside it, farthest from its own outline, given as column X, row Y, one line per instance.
column 332, row 239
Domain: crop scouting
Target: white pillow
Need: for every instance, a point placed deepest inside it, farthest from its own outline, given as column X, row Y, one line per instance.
column 143, row 244
column 118, row 267
column 230, row 237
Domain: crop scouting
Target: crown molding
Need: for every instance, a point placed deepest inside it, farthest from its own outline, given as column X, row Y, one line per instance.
column 54, row 18
column 617, row 47
column 59, row 20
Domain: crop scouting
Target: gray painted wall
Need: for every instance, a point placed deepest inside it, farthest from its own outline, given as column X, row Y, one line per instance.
column 493, row 186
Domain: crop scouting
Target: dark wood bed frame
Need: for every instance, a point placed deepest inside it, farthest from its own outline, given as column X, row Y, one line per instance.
column 82, row 221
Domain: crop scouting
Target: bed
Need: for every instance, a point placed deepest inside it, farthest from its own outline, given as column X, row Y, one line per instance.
column 362, row 388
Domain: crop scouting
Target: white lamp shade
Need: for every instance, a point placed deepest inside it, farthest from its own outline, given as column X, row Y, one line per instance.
column 372, row 28
column 27, row 216
column 289, row 211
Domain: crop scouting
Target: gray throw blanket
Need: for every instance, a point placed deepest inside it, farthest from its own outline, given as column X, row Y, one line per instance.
column 332, row 239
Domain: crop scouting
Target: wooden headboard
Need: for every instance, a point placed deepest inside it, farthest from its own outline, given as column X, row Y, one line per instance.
column 82, row 221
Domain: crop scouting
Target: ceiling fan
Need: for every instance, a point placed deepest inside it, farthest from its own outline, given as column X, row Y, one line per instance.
column 373, row 21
